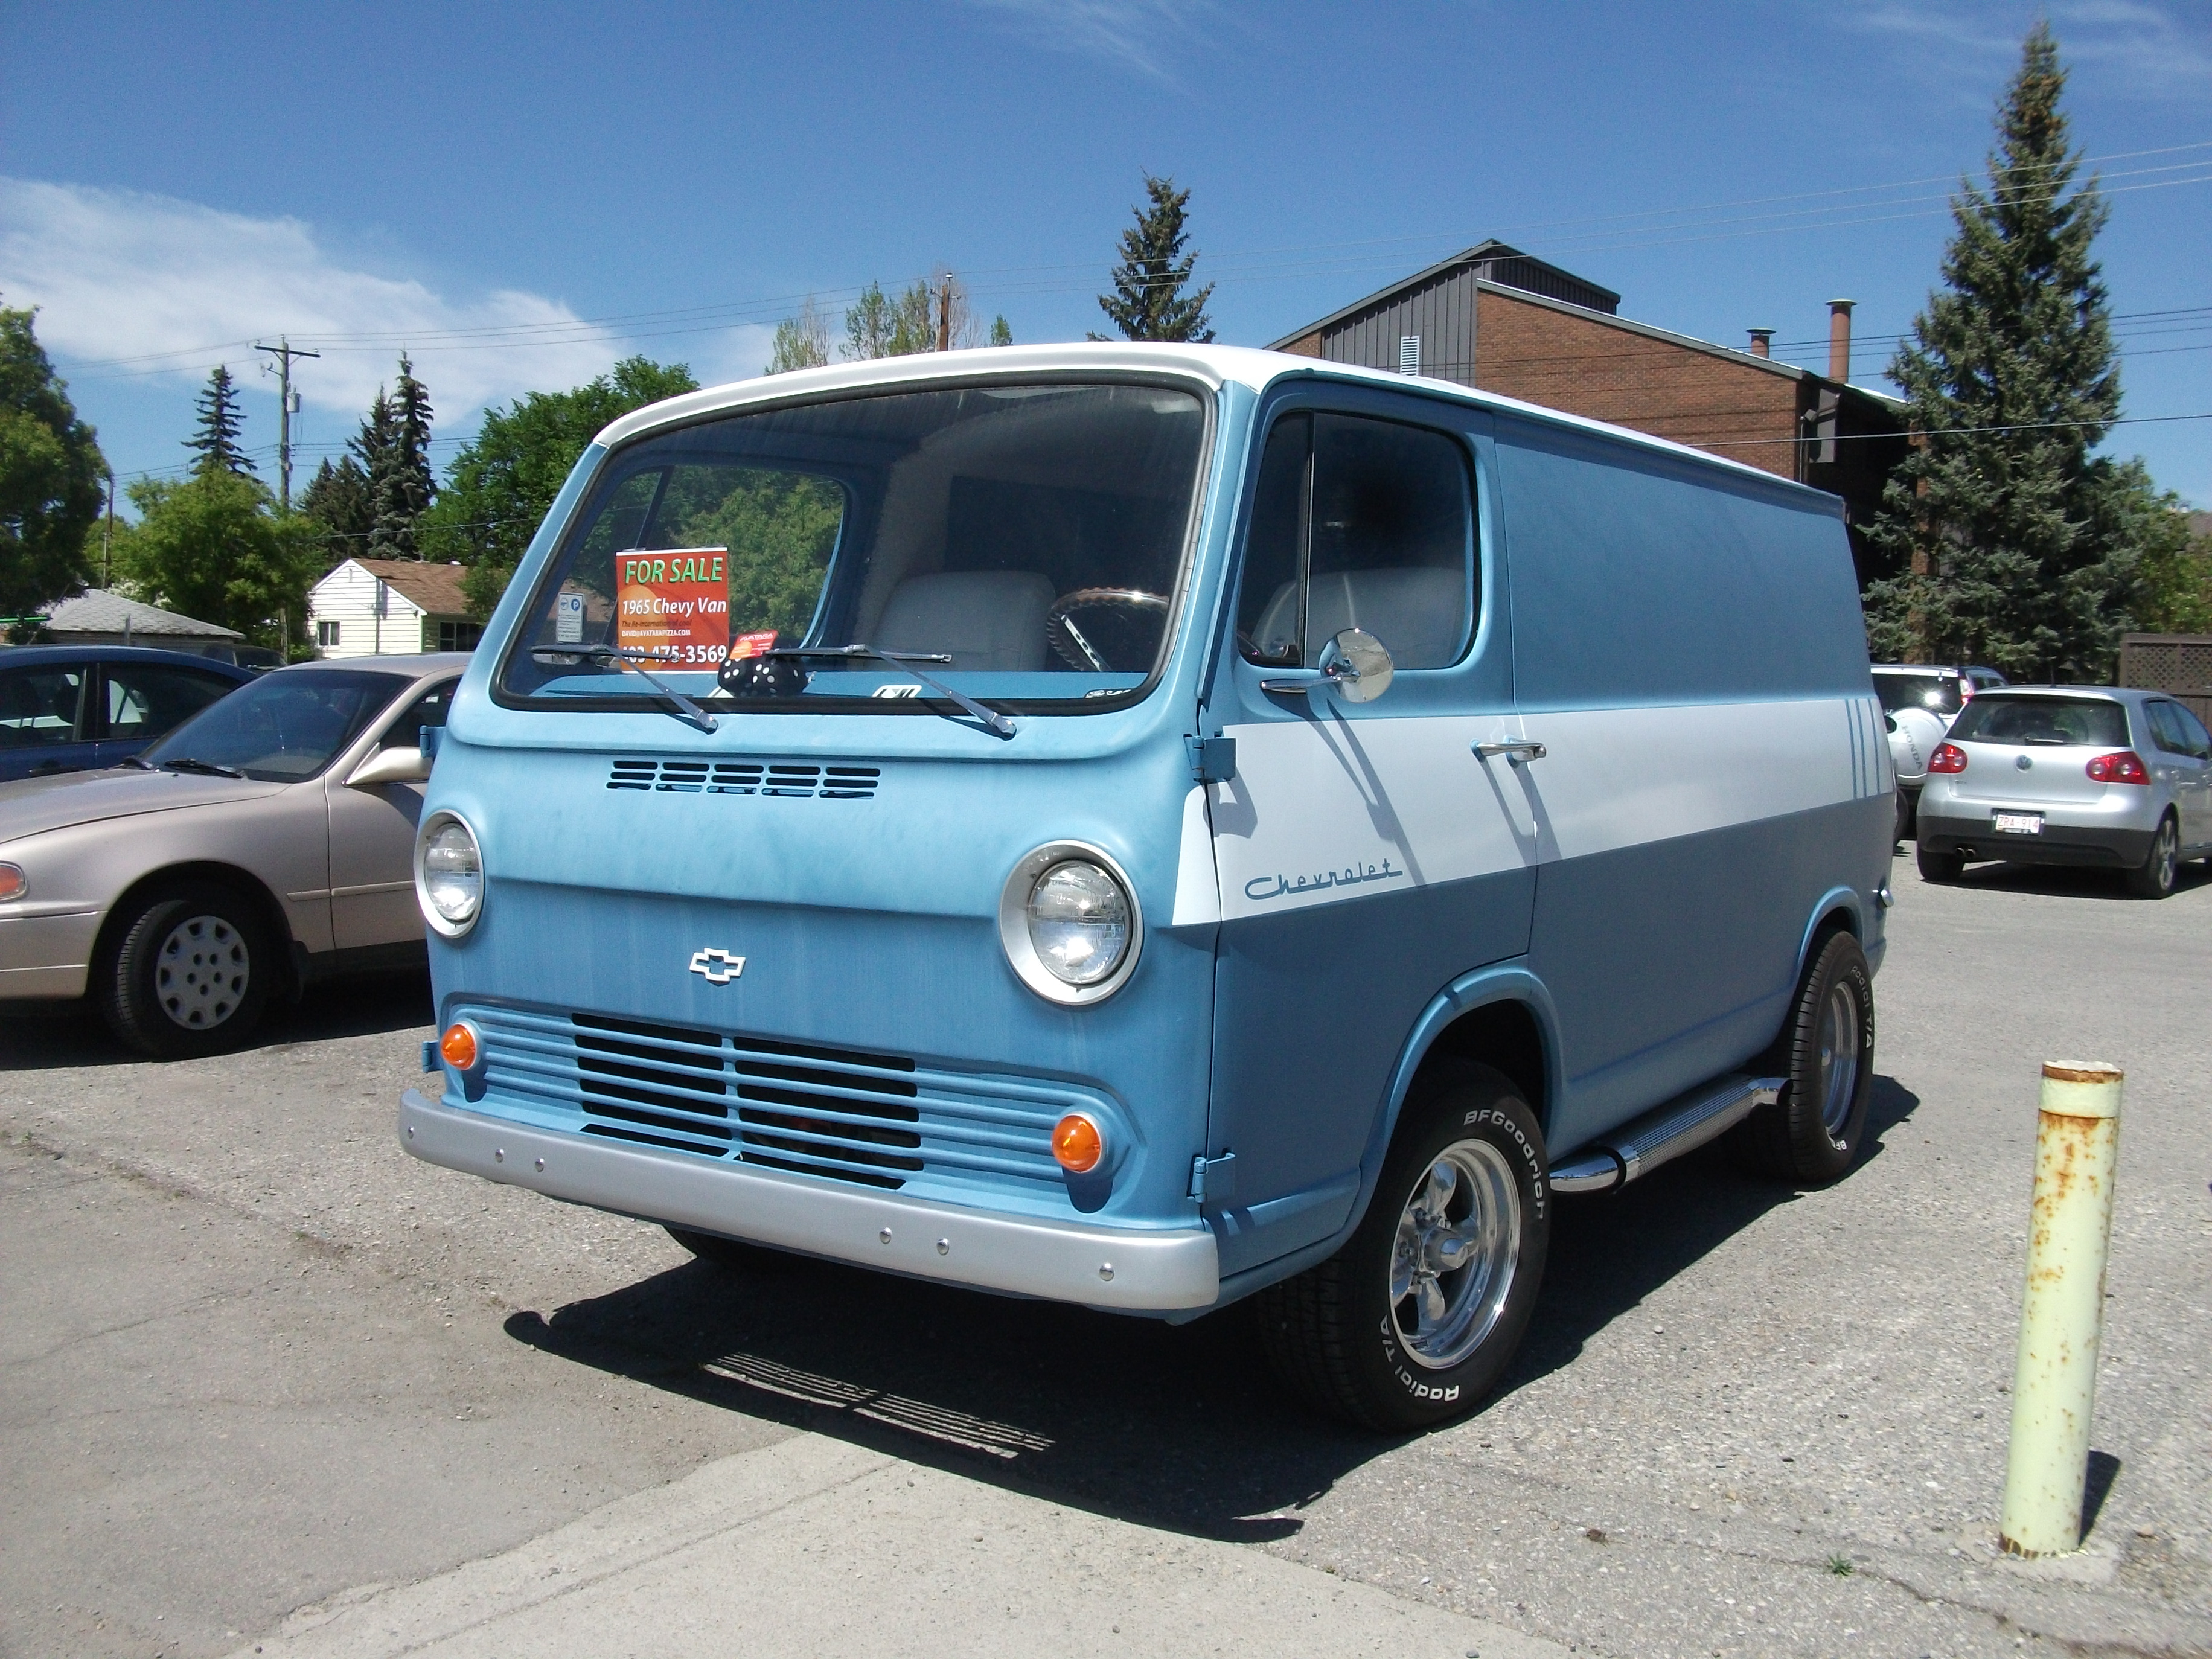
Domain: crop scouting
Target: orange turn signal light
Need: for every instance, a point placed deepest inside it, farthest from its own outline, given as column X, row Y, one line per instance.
column 1077, row 1144
column 459, row 1046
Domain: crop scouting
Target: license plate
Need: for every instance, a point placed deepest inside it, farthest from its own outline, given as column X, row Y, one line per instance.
column 2017, row 823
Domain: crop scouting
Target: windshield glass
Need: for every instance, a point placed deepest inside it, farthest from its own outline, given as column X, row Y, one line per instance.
column 283, row 727
column 1024, row 541
column 2078, row 722
column 1939, row 692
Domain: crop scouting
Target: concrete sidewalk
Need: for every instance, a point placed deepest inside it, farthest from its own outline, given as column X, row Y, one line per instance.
column 813, row 1546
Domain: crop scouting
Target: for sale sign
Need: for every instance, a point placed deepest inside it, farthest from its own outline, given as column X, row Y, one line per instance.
column 675, row 603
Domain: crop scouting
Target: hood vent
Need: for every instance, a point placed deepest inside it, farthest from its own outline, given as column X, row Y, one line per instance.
column 835, row 781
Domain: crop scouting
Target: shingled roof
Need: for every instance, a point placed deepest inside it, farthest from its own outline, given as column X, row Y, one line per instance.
column 96, row 610
column 433, row 588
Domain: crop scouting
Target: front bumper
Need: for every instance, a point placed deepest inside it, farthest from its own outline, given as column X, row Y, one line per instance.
column 1130, row 1269
column 2059, row 843
column 45, row 952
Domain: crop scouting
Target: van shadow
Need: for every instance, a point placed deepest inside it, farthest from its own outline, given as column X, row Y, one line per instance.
column 1178, row 1427
column 56, row 1035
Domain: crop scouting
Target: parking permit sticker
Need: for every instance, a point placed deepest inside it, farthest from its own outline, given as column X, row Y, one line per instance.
column 674, row 603
column 567, row 618
column 752, row 645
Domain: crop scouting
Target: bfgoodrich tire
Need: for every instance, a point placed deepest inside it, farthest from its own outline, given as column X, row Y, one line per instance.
column 1413, row 1321
column 190, row 973
column 1810, row 1136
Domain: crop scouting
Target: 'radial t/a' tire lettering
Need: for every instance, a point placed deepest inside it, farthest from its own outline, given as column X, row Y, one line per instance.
column 1414, row 1320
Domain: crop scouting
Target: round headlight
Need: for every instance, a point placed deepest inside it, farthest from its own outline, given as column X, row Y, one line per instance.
column 1079, row 920
column 448, row 875
column 1070, row 924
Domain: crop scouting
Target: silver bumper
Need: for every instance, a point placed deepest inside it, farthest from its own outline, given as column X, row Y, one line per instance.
column 1122, row 1268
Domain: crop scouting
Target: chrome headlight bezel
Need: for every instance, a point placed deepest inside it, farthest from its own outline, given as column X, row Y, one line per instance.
column 1014, row 924
column 441, row 924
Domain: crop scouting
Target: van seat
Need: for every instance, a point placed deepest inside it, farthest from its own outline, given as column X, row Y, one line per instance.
column 1419, row 612
column 985, row 619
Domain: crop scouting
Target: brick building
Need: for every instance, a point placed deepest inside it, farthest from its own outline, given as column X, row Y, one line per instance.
column 1496, row 318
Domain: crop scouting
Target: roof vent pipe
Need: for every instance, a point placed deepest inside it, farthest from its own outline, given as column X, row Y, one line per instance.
column 1762, row 343
column 1839, row 339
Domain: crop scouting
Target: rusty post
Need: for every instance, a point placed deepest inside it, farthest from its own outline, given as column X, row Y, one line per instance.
column 2077, row 1143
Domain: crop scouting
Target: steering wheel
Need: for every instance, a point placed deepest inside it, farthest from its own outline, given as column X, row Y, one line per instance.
column 1068, row 640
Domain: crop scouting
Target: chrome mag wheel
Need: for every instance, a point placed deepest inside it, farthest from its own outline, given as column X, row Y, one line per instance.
column 1839, row 1056
column 201, row 972
column 1458, row 1244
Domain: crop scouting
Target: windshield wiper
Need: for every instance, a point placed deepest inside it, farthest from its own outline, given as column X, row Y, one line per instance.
column 202, row 768
column 686, row 710
column 133, row 760
column 903, row 660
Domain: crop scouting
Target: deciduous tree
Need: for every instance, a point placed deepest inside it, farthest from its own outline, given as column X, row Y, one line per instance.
column 50, row 472
column 211, row 546
column 501, row 484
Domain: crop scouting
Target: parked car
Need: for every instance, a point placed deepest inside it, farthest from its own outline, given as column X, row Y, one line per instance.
column 2071, row 775
column 262, row 844
column 1223, row 823
column 78, row 708
column 1918, row 702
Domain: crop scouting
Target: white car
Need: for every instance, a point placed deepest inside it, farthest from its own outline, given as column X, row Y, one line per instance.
column 1921, row 702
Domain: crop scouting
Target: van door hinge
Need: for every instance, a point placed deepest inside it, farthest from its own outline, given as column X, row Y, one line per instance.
column 1213, row 760
column 1213, row 1180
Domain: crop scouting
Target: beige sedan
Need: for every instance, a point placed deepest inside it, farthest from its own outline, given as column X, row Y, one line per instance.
column 265, row 842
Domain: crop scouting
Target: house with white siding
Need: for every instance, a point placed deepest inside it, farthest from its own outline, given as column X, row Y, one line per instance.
column 387, row 607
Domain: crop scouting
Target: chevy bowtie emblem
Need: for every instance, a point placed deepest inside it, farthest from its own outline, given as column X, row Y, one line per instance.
column 717, row 967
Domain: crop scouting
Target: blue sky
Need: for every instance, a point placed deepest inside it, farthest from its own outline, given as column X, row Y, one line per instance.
column 521, row 194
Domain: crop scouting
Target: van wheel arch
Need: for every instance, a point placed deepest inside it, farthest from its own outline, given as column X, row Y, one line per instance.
column 1505, row 1036
column 267, row 910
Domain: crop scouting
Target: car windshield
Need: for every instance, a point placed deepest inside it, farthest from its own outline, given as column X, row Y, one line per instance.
column 1938, row 692
column 283, row 727
column 1026, row 542
column 2048, row 722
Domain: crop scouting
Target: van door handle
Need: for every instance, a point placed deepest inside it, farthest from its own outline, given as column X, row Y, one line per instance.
column 1517, row 751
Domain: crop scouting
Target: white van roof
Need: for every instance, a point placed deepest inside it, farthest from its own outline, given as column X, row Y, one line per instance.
column 1217, row 365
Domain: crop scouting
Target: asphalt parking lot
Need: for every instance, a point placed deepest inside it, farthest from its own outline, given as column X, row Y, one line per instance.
column 262, row 1373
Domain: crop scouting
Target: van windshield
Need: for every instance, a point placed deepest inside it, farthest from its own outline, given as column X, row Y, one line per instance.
column 1026, row 542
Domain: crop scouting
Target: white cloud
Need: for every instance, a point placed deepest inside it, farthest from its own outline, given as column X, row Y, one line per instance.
column 2136, row 49
column 1147, row 36
column 130, row 284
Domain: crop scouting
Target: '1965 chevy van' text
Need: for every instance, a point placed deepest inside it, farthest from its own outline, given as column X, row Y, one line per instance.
column 1146, row 825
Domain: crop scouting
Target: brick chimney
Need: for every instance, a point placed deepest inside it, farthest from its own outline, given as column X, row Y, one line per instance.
column 1762, row 343
column 1840, row 338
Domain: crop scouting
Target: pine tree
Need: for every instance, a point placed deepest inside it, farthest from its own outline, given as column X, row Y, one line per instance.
column 336, row 501
column 1000, row 334
column 877, row 326
column 216, row 440
column 2014, row 546
column 1148, row 302
column 402, row 488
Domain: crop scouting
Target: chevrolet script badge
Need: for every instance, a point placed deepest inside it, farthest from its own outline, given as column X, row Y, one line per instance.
column 717, row 967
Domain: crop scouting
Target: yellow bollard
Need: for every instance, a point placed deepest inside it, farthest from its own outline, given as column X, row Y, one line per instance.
column 2077, row 1143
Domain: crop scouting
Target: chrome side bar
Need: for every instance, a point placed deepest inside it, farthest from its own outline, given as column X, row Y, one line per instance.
column 1666, row 1131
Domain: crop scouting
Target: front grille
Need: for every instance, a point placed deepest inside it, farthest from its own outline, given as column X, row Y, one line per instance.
column 845, row 1114
column 801, row 779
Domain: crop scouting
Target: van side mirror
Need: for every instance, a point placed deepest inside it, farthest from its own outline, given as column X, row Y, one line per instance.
column 1357, row 665
column 390, row 766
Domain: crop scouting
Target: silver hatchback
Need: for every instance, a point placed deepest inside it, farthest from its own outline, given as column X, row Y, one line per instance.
column 2071, row 775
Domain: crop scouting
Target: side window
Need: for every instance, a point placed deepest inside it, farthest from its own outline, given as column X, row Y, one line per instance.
column 40, row 706
column 429, row 709
column 2178, row 731
column 2192, row 730
column 145, row 699
column 1360, row 523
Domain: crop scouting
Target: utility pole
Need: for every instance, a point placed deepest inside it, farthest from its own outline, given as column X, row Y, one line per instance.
column 287, row 405
column 944, row 313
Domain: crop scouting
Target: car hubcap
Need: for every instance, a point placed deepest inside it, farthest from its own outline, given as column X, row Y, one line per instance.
column 201, row 972
column 1839, row 1058
column 1451, row 1267
column 2162, row 859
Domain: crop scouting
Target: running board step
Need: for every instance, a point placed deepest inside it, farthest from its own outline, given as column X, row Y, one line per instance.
column 1666, row 1131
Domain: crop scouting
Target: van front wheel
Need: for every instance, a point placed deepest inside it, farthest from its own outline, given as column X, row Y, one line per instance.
column 1413, row 1321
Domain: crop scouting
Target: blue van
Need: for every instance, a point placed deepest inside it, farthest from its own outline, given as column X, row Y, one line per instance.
column 1145, row 825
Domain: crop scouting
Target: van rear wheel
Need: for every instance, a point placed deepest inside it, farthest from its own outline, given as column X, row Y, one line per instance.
column 1414, row 1320
column 1811, row 1134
